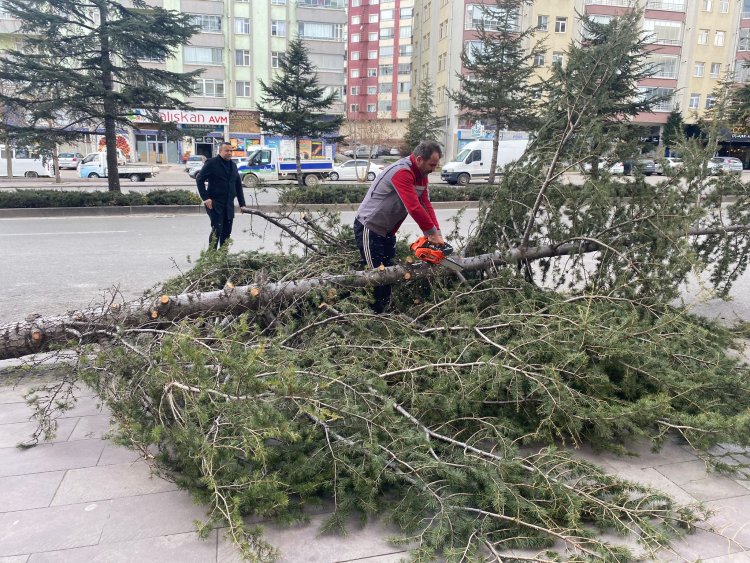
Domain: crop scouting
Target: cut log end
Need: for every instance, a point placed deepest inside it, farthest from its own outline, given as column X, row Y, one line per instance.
column 407, row 275
column 164, row 299
column 254, row 292
column 229, row 285
column 381, row 268
column 154, row 314
column 36, row 336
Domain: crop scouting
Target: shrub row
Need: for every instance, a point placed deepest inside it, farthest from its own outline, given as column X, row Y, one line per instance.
column 354, row 193
column 56, row 198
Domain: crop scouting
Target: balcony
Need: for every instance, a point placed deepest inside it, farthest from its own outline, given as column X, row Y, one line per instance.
column 665, row 5
column 619, row 3
column 336, row 4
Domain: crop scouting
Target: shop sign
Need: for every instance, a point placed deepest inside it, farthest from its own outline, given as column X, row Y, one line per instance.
column 740, row 134
column 187, row 117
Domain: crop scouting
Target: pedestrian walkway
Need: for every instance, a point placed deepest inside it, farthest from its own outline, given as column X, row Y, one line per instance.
column 83, row 498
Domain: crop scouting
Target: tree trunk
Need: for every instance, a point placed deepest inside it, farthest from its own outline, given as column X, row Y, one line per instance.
column 56, row 164
column 8, row 157
column 495, row 150
column 110, row 110
column 298, row 162
column 102, row 323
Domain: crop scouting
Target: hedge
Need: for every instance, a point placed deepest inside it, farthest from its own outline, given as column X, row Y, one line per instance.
column 56, row 198
column 354, row 193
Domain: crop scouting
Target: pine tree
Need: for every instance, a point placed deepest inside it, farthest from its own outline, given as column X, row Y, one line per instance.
column 293, row 104
column 423, row 125
column 80, row 67
column 498, row 86
column 673, row 130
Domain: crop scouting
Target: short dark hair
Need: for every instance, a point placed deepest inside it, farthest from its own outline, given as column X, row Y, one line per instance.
column 224, row 143
column 425, row 149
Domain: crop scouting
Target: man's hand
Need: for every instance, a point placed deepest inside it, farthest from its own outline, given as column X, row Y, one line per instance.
column 208, row 203
column 436, row 239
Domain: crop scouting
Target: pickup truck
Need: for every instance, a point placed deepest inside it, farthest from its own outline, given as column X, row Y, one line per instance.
column 95, row 166
column 263, row 164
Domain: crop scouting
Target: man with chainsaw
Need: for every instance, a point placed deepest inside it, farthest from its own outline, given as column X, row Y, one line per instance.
column 400, row 189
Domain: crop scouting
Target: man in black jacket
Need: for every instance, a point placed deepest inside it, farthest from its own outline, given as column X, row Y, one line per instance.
column 224, row 184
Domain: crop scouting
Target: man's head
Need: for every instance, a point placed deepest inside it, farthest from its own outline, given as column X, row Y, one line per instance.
column 225, row 151
column 427, row 154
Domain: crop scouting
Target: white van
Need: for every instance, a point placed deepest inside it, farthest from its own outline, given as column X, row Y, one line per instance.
column 25, row 163
column 474, row 160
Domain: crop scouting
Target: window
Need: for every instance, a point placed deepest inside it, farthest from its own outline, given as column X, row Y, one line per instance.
column 372, row 90
column 242, row 57
column 321, row 31
column 356, row 20
column 386, row 51
column 354, row 73
column 242, row 26
column 354, row 37
column 487, row 16
column 403, row 105
column 355, row 4
column 557, row 57
column 744, row 43
column 719, row 39
column 355, row 55
column 354, row 108
column 207, row 24
column 723, row 6
column 325, row 62
column 426, row 42
column 209, row 88
column 664, row 66
column 715, row 70
column 442, row 61
column 404, row 68
column 702, row 36
column 203, row 55
column 372, row 18
column 371, row 108
column 275, row 58
column 404, row 50
column 372, row 55
column 539, row 59
column 404, row 31
column 404, row 87
column 278, row 28
column 664, row 32
column 355, row 91
column 386, row 32
column 279, row 2
column 386, row 70
column 374, row 2
column 710, row 101
column 707, row 5
column 386, row 15
column 385, row 105
column 443, row 30
column 695, row 101
column 561, row 25
column 698, row 69
column 664, row 95
column 426, row 12
column 372, row 36
column 542, row 22
column 406, row 13
column 372, row 72
column 385, row 88
column 242, row 88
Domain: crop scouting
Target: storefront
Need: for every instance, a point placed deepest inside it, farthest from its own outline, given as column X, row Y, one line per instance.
column 479, row 132
column 736, row 143
column 244, row 131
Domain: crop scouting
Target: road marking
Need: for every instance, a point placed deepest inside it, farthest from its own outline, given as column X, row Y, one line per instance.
column 62, row 233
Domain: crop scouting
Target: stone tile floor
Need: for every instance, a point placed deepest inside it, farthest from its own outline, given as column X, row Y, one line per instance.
column 82, row 498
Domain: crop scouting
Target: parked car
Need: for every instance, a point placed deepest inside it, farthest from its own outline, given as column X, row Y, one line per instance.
column 355, row 170
column 69, row 160
column 671, row 163
column 646, row 165
column 194, row 163
column 614, row 168
column 394, row 151
column 725, row 164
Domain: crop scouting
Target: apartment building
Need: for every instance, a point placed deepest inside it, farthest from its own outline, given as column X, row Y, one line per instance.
column 379, row 67
column 695, row 44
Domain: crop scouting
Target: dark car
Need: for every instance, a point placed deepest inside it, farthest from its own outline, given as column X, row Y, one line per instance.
column 646, row 165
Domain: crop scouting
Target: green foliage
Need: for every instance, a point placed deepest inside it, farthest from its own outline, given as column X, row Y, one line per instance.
column 423, row 124
column 18, row 199
column 354, row 193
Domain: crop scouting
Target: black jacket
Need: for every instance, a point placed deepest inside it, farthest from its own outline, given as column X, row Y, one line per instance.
column 222, row 187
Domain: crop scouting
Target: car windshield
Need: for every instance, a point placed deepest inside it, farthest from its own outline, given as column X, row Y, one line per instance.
column 67, row 155
column 195, row 159
column 460, row 157
column 90, row 158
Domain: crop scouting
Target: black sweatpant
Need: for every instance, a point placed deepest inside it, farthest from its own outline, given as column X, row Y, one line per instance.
column 376, row 250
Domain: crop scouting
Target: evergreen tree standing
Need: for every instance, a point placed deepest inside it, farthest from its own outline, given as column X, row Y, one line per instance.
column 497, row 87
column 81, row 65
column 293, row 103
column 673, row 130
column 423, row 125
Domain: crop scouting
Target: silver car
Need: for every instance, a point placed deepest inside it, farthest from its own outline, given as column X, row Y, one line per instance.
column 69, row 160
column 725, row 164
column 194, row 164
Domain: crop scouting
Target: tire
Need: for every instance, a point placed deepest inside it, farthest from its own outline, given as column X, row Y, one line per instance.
column 94, row 175
column 135, row 178
column 333, row 176
column 31, row 174
column 250, row 181
column 371, row 176
column 451, row 183
column 463, row 179
column 311, row 181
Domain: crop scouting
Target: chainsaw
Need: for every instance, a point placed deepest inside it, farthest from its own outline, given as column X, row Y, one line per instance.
column 431, row 253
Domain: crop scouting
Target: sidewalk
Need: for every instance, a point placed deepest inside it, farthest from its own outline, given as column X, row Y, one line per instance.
column 82, row 498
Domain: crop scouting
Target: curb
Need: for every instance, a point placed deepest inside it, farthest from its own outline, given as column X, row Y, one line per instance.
column 119, row 211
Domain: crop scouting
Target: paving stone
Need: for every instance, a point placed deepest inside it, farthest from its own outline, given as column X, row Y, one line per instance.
column 714, row 487
column 87, row 405
column 48, row 529
column 153, row 515
column 182, row 548
column 114, row 455
column 15, row 412
column 732, row 519
column 110, row 481
column 684, row 472
column 699, row 545
column 14, row 559
column 15, row 432
column 670, row 453
column 651, row 477
column 88, row 427
column 24, row 492
column 359, row 543
column 392, row 558
column 50, row 457
column 743, row 557
column 13, row 394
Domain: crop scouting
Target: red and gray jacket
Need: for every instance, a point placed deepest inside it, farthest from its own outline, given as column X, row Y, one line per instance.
column 398, row 190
